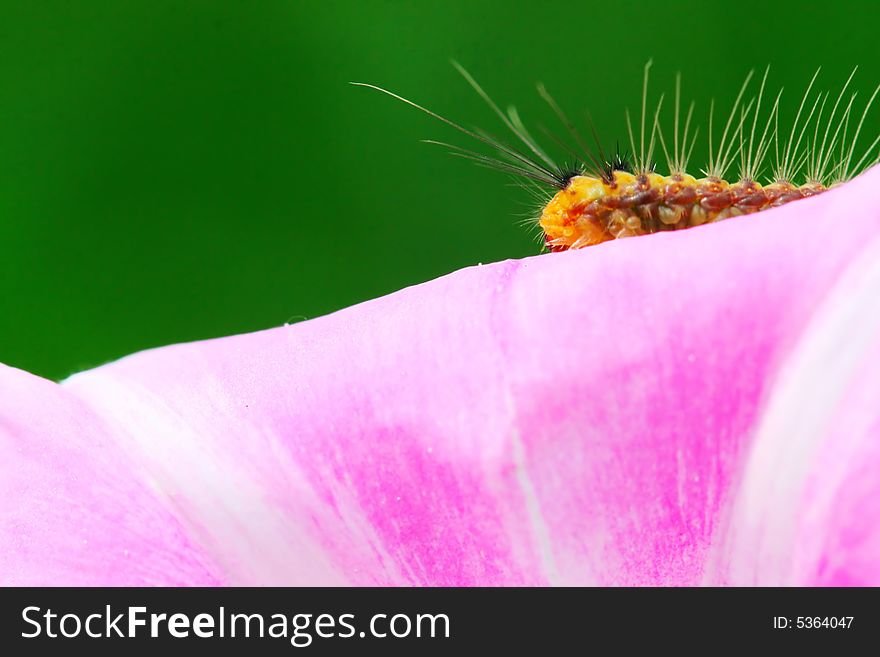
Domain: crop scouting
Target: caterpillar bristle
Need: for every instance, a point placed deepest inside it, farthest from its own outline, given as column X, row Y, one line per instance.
column 536, row 169
column 846, row 172
column 752, row 159
column 596, row 198
column 787, row 168
column 818, row 161
column 719, row 165
column 569, row 126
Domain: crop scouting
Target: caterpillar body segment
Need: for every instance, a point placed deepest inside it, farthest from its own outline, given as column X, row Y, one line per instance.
column 594, row 210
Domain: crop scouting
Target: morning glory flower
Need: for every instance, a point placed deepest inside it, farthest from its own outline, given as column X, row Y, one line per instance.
column 687, row 408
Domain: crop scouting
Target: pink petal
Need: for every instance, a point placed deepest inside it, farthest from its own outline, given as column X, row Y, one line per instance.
column 74, row 509
column 633, row 413
column 807, row 510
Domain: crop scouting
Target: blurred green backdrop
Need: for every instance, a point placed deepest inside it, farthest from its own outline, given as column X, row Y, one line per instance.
column 172, row 171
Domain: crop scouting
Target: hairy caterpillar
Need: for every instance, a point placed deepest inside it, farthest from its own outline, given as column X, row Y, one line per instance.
column 601, row 198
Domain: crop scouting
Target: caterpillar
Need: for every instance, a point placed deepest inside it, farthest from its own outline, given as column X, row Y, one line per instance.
column 600, row 198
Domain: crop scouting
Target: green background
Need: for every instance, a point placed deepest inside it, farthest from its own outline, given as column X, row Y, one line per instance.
column 173, row 171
